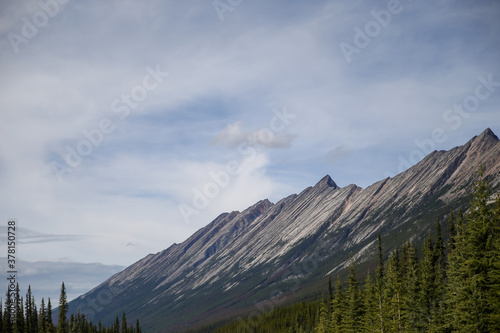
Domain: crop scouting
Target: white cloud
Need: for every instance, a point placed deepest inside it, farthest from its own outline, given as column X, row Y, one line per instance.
column 235, row 135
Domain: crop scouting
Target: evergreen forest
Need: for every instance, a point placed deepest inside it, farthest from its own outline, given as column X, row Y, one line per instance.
column 452, row 287
column 22, row 316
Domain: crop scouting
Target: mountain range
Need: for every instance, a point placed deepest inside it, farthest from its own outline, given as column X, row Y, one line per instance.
column 273, row 254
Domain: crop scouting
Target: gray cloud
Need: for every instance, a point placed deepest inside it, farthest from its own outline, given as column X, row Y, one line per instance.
column 235, row 135
column 337, row 153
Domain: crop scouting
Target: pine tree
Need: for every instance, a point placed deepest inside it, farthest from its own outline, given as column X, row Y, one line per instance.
column 380, row 284
column 494, row 271
column 452, row 229
column 28, row 310
column 413, row 298
column 42, row 318
column 330, row 294
column 473, row 296
column 394, row 294
column 1, row 316
column 62, row 322
column 370, row 319
column 428, row 290
column 438, row 253
column 72, row 323
column 437, row 307
column 338, row 307
column 7, row 325
column 124, row 323
column 49, row 328
column 137, row 326
column 324, row 325
column 31, row 322
column 19, row 312
column 354, row 307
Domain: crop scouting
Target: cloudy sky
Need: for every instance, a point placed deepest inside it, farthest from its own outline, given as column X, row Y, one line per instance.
column 125, row 126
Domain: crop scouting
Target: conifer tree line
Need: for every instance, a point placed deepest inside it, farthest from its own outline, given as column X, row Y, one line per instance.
column 452, row 287
column 443, row 289
column 22, row 316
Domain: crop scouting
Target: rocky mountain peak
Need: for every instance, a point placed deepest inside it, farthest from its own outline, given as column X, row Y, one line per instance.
column 326, row 182
column 487, row 135
column 484, row 142
column 258, row 208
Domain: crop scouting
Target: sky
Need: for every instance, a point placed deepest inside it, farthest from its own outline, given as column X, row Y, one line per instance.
column 126, row 126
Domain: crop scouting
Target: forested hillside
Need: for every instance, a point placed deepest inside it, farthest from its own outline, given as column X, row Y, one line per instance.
column 452, row 287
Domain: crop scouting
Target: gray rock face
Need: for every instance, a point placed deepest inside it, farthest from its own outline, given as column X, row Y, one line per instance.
column 240, row 257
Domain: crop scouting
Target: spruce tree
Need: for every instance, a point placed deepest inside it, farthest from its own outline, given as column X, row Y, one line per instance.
column 42, row 318
column 62, row 322
column 1, row 316
column 370, row 319
column 380, row 284
column 338, row 307
column 324, row 323
column 473, row 297
column 428, row 290
column 49, row 328
column 452, row 229
column 352, row 321
column 494, row 271
column 116, row 326
column 137, row 326
column 124, row 323
column 7, row 325
column 437, row 307
column 413, row 298
column 394, row 294
column 330, row 294
column 19, row 312
column 31, row 321
column 72, row 323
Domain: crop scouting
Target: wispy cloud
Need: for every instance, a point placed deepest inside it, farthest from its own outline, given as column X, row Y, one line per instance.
column 28, row 236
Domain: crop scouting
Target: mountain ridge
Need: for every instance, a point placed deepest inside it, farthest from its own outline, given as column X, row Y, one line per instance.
column 239, row 257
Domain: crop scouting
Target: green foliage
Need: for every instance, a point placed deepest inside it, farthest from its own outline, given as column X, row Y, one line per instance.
column 297, row 318
column 444, row 289
column 353, row 303
column 27, row 319
column 473, row 295
column 62, row 322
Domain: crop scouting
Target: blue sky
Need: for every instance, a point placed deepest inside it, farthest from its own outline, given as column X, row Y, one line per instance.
column 126, row 126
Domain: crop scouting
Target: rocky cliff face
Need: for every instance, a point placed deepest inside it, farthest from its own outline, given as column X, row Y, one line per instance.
column 243, row 258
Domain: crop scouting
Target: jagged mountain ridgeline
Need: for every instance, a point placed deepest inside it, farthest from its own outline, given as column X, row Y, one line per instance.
column 273, row 254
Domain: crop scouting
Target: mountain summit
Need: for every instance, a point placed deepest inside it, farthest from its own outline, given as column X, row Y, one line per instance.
column 271, row 254
column 488, row 133
column 326, row 181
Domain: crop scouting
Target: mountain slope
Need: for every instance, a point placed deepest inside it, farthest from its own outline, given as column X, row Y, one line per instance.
column 270, row 254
